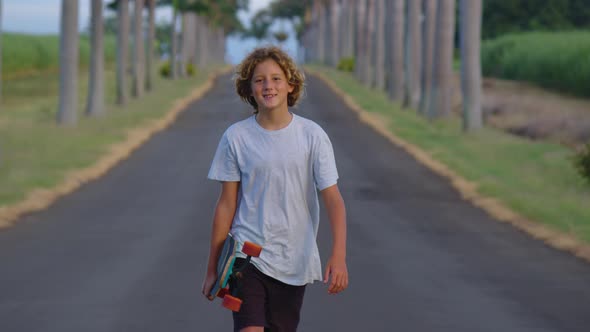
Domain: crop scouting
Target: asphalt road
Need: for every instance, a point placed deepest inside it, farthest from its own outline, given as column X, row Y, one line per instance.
column 128, row 252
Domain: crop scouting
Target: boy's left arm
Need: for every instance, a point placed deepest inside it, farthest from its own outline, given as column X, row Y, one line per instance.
column 336, row 270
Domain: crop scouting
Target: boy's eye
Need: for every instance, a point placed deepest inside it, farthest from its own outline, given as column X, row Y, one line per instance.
column 277, row 78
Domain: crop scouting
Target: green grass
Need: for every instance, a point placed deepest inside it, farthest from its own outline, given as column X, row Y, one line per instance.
column 24, row 55
column 35, row 152
column 555, row 60
column 538, row 180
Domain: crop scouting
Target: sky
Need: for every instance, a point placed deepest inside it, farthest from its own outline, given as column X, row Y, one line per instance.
column 42, row 17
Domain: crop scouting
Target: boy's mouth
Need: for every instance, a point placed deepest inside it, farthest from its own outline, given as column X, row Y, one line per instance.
column 269, row 96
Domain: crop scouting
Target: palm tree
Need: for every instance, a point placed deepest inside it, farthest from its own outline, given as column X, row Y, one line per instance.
column 138, row 50
column 361, row 40
column 380, row 45
column 349, row 28
column 95, row 104
column 185, row 33
column 322, row 31
column 149, row 61
column 471, row 15
column 174, row 44
column 440, row 104
column 413, row 54
column 203, row 43
column 369, row 70
column 122, row 50
column 68, row 64
column 335, row 12
column 396, row 70
column 427, row 55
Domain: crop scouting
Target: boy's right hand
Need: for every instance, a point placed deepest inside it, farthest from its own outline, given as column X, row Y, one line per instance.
column 208, row 283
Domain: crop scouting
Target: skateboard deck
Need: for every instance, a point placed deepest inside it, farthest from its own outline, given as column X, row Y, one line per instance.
column 226, row 272
column 225, row 265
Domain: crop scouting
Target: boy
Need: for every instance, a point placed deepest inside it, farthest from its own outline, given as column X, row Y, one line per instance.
column 271, row 166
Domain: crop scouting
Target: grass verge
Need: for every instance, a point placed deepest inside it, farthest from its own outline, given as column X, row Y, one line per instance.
column 535, row 180
column 39, row 158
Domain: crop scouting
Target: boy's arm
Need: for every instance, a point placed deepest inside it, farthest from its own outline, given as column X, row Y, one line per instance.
column 336, row 269
column 222, row 220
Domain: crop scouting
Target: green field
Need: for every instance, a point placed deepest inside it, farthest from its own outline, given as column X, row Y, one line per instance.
column 537, row 180
column 555, row 60
column 26, row 55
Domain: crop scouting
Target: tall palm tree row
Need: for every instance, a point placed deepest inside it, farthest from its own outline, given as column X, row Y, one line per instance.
column 471, row 17
column 68, row 64
column 206, row 23
column 404, row 47
column 95, row 103
column 122, row 7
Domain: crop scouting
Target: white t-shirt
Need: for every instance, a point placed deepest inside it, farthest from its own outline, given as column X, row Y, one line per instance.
column 280, row 172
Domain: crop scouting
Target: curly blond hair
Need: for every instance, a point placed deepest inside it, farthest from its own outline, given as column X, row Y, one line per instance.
column 245, row 70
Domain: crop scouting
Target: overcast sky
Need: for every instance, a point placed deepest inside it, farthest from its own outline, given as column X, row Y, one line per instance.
column 42, row 17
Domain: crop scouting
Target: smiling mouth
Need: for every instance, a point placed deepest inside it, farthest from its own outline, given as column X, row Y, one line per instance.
column 267, row 97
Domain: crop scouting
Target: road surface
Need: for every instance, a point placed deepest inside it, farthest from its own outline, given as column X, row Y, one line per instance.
column 128, row 252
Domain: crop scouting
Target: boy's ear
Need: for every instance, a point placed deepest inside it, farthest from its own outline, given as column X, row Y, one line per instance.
column 291, row 88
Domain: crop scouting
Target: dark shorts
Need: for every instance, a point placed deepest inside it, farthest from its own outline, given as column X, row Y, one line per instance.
column 267, row 302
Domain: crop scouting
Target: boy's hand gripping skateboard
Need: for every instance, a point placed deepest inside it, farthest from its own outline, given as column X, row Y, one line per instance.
column 227, row 273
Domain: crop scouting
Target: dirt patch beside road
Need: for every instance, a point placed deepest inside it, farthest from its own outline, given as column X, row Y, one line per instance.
column 529, row 111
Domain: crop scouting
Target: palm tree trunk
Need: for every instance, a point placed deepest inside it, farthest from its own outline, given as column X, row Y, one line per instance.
column 429, row 29
column 380, row 45
column 413, row 54
column 336, row 35
column 471, row 16
column 68, row 64
column 138, row 50
column 442, row 79
column 361, row 40
column 351, row 35
column 204, row 41
column 197, row 41
column 149, row 61
column 322, row 26
column 396, row 83
column 369, row 70
column 184, row 45
column 122, row 50
column 314, row 35
column 174, row 46
column 221, row 43
column 95, row 104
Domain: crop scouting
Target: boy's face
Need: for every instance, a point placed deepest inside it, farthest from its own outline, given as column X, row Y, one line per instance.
column 270, row 87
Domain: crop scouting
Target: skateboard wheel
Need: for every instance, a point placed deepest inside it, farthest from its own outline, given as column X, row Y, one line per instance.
column 222, row 292
column 251, row 249
column 232, row 303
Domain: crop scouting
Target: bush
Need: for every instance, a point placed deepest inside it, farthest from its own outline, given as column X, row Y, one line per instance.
column 165, row 69
column 346, row 64
column 582, row 162
column 190, row 69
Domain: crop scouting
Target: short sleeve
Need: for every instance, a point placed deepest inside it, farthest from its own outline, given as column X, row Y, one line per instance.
column 324, row 165
column 224, row 166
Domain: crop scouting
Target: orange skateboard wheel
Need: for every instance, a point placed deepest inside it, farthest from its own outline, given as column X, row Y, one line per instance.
column 232, row 303
column 251, row 249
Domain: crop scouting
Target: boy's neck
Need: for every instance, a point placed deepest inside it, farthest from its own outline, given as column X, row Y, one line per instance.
column 274, row 119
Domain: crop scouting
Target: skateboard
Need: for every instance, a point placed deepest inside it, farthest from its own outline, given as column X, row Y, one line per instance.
column 227, row 273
